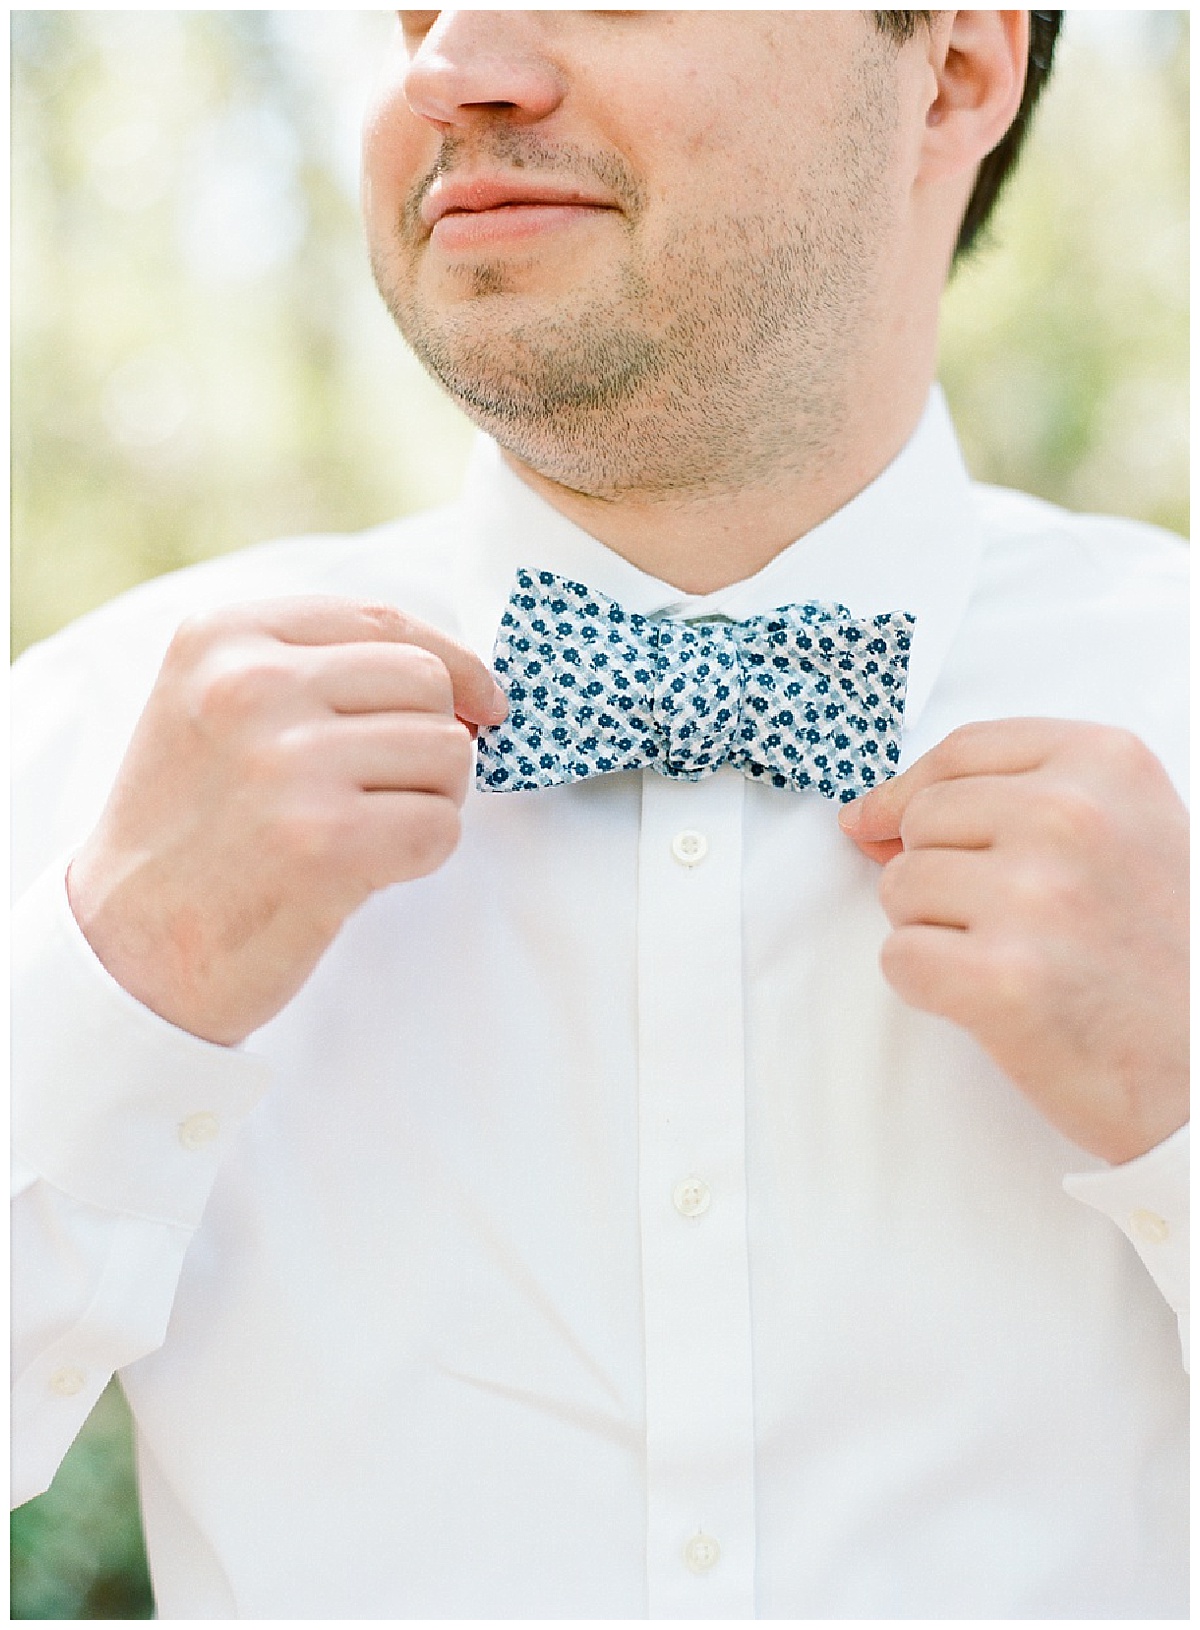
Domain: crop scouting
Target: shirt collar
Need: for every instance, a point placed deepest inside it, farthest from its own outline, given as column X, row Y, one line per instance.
column 908, row 542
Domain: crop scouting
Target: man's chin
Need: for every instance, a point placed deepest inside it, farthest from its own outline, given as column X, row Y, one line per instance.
column 548, row 277
column 510, row 359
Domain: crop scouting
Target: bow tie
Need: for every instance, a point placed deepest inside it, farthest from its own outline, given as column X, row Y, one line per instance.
column 806, row 696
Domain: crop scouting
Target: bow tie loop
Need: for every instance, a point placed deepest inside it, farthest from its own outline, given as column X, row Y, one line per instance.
column 696, row 699
column 807, row 696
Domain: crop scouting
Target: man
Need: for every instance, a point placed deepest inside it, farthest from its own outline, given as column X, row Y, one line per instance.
column 620, row 1194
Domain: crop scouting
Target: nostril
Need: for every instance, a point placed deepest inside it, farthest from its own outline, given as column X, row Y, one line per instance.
column 488, row 63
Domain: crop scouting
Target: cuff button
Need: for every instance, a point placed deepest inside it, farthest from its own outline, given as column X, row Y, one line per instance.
column 67, row 1383
column 1148, row 1227
column 198, row 1130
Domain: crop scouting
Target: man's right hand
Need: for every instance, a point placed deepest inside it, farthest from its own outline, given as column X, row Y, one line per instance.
column 294, row 757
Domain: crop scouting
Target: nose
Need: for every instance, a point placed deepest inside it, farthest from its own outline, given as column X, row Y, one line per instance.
column 472, row 65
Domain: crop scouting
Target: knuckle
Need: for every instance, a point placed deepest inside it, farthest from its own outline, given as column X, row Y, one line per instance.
column 389, row 622
column 288, row 757
column 444, row 732
column 893, row 880
column 308, row 837
column 1041, row 892
column 458, row 746
column 1111, row 754
column 429, row 673
column 452, row 755
column 235, row 680
column 232, row 686
column 1073, row 816
column 433, row 835
column 895, row 960
column 917, row 813
column 964, row 739
column 1013, row 973
column 906, row 968
column 1127, row 755
column 195, row 636
column 964, row 745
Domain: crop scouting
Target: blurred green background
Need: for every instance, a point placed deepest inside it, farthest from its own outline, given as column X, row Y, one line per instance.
column 200, row 362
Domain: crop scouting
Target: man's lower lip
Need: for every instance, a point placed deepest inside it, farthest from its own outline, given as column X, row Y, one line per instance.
column 510, row 223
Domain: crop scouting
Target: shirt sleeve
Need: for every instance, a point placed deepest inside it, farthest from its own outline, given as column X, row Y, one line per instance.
column 119, row 1124
column 1147, row 1198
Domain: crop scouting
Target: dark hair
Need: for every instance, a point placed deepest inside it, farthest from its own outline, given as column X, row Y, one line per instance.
column 996, row 168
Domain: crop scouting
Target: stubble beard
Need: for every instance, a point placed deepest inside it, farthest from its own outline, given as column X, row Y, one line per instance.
column 717, row 362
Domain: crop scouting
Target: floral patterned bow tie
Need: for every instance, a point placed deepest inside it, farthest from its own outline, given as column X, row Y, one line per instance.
column 804, row 697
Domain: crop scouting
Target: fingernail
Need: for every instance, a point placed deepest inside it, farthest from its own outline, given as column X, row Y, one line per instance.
column 849, row 815
column 499, row 703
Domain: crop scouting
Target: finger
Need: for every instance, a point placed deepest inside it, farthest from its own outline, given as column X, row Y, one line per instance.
column 426, row 753
column 397, row 752
column 967, row 813
column 991, row 984
column 989, row 747
column 380, row 678
column 327, row 620
column 881, row 853
column 397, row 836
column 929, row 968
column 945, row 888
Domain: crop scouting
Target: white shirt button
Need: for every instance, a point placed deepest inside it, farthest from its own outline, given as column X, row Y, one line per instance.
column 67, row 1382
column 198, row 1130
column 701, row 1553
column 689, row 848
column 691, row 1197
column 1149, row 1227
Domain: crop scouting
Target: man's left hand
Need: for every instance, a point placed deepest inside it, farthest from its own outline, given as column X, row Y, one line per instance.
column 1035, row 873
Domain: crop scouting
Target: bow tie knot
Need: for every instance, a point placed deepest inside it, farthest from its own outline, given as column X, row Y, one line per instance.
column 696, row 697
column 805, row 696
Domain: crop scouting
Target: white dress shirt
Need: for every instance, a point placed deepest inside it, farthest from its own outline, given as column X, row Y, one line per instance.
column 596, row 1235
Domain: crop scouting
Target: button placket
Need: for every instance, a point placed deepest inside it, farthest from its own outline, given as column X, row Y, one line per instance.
column 695, row 1264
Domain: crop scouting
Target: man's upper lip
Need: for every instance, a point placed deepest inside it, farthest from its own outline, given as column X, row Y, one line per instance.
column 459, row 194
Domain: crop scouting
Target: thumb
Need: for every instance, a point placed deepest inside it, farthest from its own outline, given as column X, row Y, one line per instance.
column 872, row 821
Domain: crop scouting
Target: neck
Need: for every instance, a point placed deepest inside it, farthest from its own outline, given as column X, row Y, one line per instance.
column 700, row 542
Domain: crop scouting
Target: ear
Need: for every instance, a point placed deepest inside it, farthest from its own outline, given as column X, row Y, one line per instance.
column 978, row 60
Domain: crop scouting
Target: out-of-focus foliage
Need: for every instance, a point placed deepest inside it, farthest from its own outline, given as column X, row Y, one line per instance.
column 1065, row 345
column 200, row 361
column 77, row 1551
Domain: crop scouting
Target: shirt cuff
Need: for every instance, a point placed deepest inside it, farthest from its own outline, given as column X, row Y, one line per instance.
column 110, row 1103
column 1147, row 1198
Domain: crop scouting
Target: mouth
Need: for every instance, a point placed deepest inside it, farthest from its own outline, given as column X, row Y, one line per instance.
column 487, row 211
